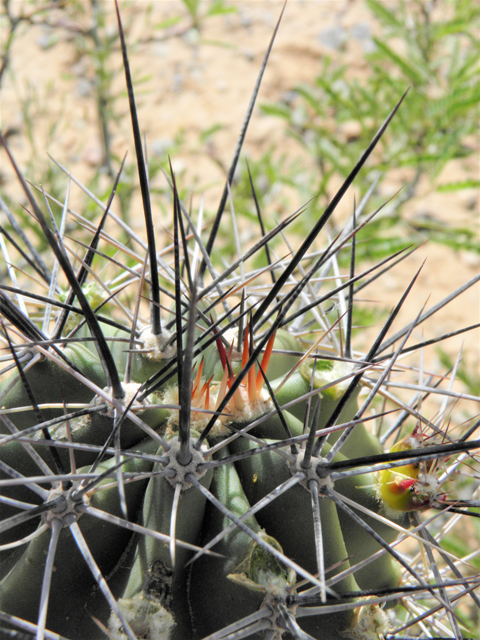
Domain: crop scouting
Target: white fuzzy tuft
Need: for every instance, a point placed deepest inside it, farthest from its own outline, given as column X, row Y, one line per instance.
column 148, row 619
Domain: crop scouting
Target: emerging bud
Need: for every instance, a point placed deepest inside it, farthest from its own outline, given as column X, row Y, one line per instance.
column 408, row 488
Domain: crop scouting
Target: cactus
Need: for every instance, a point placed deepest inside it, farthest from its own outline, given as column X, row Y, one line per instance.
column 218, row 462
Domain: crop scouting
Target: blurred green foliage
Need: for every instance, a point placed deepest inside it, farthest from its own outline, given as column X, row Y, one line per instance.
column 428, row 47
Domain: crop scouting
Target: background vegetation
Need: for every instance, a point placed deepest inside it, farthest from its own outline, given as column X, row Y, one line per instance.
column 313, row 130
column 62, row 93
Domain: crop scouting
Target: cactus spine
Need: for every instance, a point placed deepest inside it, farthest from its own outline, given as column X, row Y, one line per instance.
column 214, row 472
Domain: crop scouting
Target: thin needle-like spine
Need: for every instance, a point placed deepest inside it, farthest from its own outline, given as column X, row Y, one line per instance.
column 173, row 522
column 56, row 526
column 231, row 172
column 99, row 579
column 317, row 525
column 143, row 177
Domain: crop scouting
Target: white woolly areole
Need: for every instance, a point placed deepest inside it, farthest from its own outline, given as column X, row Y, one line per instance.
column 131, row 390
column 250, row 411
column 199, row 417
column 154, row 346
column 67, row 509
column 147, row 618
column 428, row 486
column 183, row 470
column 372, row 623
column 310, row 472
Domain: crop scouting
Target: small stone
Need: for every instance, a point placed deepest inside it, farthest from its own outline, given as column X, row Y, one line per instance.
column 160, row 49
column 177, row 82
column 471, row 259
column 351, row 130
column 245, row 20
column 84, row 88
column 249, row 55
column 192, row 37
column 160, row 146
column 361, row 31
column 93, row 155
column 333, row 37
column 47, row 38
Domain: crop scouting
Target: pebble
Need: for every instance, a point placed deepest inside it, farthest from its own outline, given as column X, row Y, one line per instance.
column 333, row 37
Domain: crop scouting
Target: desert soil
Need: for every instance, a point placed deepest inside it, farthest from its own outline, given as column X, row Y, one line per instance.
column 196, row 80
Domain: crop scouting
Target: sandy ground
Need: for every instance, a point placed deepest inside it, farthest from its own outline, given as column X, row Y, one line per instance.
column 190, row 84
